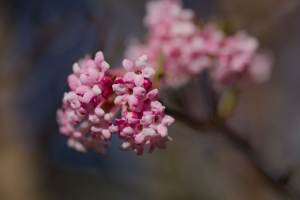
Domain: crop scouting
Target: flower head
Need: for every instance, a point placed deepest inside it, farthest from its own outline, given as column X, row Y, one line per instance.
column 179, row 48
column 88, row 110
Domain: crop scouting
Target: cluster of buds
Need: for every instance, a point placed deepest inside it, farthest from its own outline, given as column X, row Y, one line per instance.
column 178, row 49
column 187, row 49
column 96, row 95
column 143, row 121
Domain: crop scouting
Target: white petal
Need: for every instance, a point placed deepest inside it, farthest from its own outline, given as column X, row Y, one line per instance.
column 99, row 112
column 108, row 117
column 106, row 134
column 148, row 72
column 126, row 146
column 76, row 68
column 79, row 147
column 105, row 66
column 71, row 143
column 128, row 65
column 149, row 132
column 141, row 62
column 96, row 90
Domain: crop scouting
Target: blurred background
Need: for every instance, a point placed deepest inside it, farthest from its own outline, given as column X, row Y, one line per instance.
column 41, row 39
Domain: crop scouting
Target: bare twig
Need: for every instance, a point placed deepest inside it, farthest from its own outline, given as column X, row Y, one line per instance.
column 240, row 143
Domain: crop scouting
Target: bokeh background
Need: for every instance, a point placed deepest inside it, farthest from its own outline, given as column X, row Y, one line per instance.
column 41, row 39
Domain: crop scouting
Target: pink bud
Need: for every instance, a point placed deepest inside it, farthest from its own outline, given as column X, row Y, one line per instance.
column 147, row 84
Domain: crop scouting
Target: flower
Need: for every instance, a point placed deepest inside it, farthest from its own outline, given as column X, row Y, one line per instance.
column 88, row 110
column 181, row 50
column 138, row 71
column 81, row 118
column 143, row 120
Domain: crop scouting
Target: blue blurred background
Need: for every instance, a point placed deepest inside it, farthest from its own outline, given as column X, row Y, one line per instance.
column 39, row 42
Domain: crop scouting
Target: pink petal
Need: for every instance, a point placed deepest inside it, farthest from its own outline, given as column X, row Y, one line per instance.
column 129, row 78
column 133, row 101
column 94, row 78
column 81, row 90
column 156, row 105
column 70, row 96
column 260, row 67
column 162, row 130
column 135, row 104
column 139, row 138
column 106, row 134
column 158, row 111
column 152, row 95
column 131, row 115
column 96, row 129
column 133, row 121
column 90, row 64
column 84, row 79
column 121, row 100
column 64, row 131
column 139, row 80
column 87, row 97
column 73, row 81
column 139, row 92
column 167, row 120
column 128, row 131
column 113, row 129
column 99, row 57
column 147, row 84
column 146, row 120
column 120, row 89
column 77, row 135
column 94, row 118
column 128, row 65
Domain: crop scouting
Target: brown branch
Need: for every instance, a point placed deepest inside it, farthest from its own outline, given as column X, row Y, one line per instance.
column 241, row 144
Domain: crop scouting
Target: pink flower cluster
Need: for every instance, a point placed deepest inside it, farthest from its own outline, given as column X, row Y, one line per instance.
column 187, row 49
column 88, row 110
column 143, row 121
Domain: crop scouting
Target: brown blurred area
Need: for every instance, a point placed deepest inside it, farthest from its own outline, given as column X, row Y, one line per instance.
column 196, row 165
column 19, row 173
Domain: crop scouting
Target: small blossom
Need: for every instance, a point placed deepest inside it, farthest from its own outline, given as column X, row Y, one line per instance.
column 138, row 70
